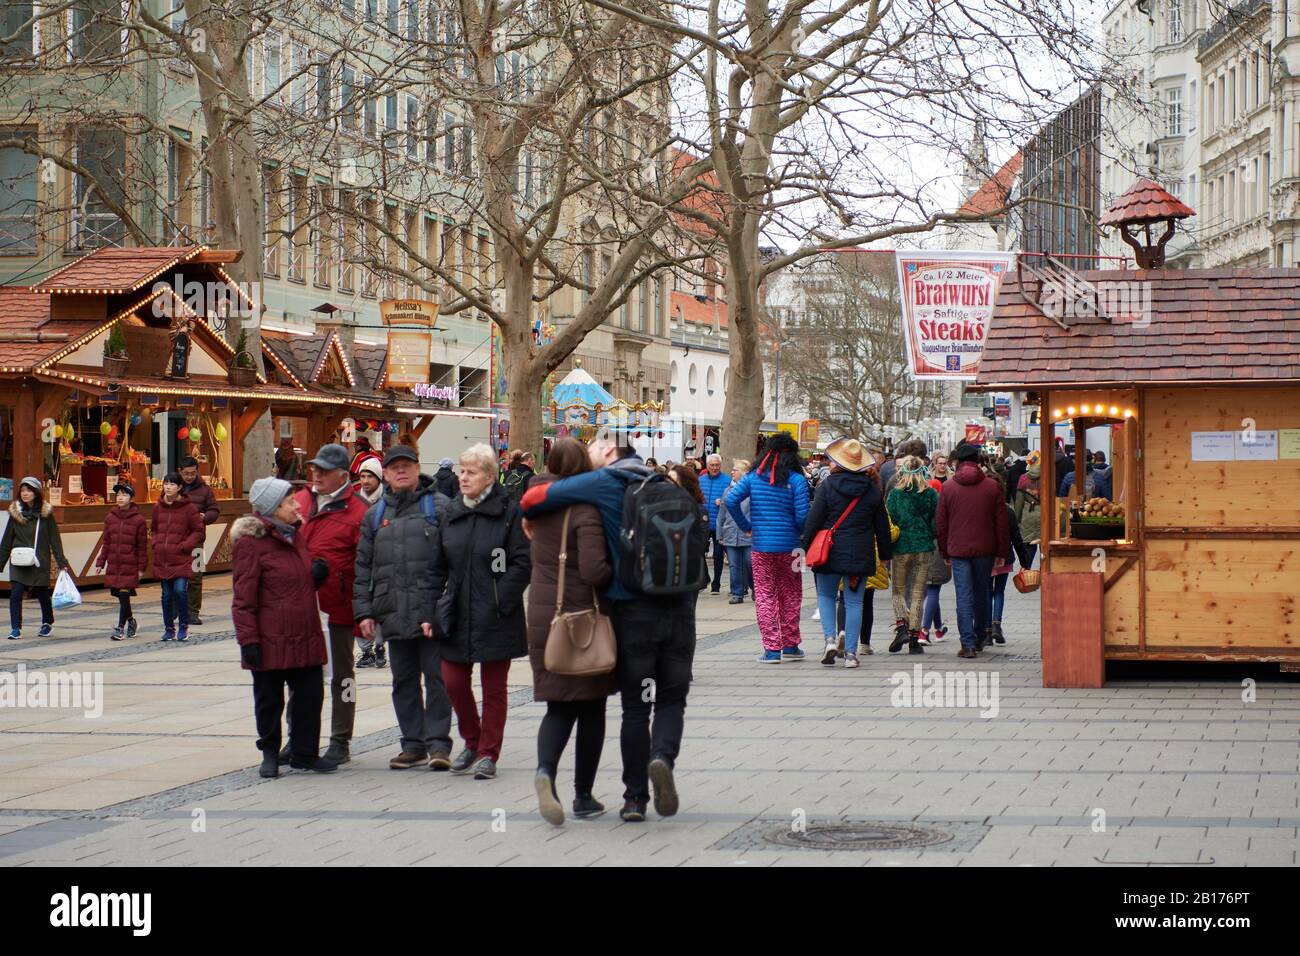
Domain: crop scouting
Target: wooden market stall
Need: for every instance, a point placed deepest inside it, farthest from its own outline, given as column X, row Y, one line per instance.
column 1197, row 373
column 110, row 366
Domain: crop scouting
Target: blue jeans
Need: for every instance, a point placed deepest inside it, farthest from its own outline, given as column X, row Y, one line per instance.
column 741, row 573
column 932, row 617
column 828, row 589
column 973, row 580
column 175, row 598
column 999, row 595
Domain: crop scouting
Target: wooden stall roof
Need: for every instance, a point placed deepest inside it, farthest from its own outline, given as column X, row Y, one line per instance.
column 308, row 357
column 116, row 270
column 1205, row 326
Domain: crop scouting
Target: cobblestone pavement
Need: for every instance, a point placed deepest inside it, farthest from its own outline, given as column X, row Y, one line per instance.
column 1144, row 772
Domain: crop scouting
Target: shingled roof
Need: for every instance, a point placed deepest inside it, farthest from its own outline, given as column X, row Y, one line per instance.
column 992, row 195
column 114, row 270
column 1205, row 326
column 1146, row 201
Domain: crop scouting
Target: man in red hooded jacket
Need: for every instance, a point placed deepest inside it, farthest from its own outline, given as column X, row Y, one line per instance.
column 972, row 531
column 331, row 526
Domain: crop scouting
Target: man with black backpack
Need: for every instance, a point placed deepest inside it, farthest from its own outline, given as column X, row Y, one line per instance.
column 657, row 536
column 393, row 587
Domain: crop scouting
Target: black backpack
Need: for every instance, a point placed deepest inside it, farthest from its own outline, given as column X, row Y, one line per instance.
column 515, row 483
column 664, row 541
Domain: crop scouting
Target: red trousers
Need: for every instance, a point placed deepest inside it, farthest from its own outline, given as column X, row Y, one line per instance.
column 778, row 597
column 483, row 735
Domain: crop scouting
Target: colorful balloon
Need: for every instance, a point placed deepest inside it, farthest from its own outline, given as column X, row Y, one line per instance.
column 183, row 433
column 136, row 419
column 112, row 433
column 105, row 428
column 68, row 432
column 220, row 432
column 196, row 435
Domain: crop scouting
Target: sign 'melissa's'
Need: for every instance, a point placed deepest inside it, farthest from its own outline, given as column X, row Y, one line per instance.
column 419, row 312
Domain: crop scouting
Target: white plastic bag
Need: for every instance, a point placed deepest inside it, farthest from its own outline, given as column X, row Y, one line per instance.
column 65, row 592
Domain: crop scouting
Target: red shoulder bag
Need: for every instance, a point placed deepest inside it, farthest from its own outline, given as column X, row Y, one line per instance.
column 819, row 552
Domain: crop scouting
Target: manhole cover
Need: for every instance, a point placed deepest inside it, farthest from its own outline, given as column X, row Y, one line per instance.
column 858, row 836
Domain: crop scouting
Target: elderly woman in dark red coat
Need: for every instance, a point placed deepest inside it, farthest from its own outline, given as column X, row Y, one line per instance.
column 277, row 624
column 125, row 553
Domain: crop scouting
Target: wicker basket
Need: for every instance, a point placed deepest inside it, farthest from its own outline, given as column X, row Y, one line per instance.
column 115, row 366
column 242, row 377
column 1027, row 579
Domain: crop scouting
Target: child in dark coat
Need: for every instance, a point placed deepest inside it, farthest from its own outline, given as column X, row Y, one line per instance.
column 125, row 555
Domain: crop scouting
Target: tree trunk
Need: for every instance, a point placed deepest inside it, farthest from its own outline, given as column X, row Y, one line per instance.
column 743, row 411
column 524, row 371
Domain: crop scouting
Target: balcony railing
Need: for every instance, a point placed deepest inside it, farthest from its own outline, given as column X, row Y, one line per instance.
column 1230, row 21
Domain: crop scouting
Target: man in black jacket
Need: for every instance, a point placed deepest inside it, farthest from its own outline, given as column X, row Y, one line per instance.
column 395, row 559
column 202, row 498
column 444, row 479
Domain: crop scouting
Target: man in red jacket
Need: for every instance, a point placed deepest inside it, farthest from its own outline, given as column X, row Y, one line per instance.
column 971, row 527
column 331, row 526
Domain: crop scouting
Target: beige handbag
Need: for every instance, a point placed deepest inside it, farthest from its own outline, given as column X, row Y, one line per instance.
column 579, row 643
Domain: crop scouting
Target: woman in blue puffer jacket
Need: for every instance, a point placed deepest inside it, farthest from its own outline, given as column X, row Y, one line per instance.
column 778, row 504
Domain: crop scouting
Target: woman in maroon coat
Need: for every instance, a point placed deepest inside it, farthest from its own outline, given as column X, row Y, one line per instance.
column 125, row 552
column 177, row 530
column 569, row 700
column 277, row 624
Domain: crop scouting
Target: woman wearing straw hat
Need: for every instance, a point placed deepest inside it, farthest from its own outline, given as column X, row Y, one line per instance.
column 849, row 505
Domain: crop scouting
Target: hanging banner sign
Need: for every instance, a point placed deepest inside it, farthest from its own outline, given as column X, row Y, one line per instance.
column 409, row 312
column 948, row 300
column 408, row 358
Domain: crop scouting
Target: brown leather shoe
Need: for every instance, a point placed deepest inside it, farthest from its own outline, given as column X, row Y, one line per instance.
column 440, row 760
column 967, row 652
column 406, row 760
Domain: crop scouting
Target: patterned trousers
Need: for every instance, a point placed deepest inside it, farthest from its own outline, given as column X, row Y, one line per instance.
column 908, row 573
column 778, row 597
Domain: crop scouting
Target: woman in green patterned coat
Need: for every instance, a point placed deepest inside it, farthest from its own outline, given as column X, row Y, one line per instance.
column 912, row 504
column 31, row 525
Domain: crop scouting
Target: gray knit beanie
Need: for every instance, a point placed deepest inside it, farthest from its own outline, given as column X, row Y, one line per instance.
column 267, row 493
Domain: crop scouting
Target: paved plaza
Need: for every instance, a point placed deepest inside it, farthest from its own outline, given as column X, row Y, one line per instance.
column 1152, row 772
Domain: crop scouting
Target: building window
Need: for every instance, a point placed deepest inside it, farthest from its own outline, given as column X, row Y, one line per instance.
column 94, row 34
column 711, row 380
column 18, row 226
column 347, row 232
column 412, row 128
column 449, row 143
column 271, row 66
column 350, row 8
column 693, row 379
column 320, row 237
column 659, row 306
column 390, row 21
column 1192, row 110
column 348, row 97
column 295, row 216
column 102, row 153
column 1175, row 21
column 370, row 106
column 300, row 72
column 17, row 25
column 1174, row 112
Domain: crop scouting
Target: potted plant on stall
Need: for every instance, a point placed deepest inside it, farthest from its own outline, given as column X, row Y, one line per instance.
column 116, row 361
column 243, row 372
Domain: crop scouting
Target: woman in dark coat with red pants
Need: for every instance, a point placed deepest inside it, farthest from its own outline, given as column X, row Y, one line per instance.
column 177, row 529
column 125, row 553
column 569, row 700
column 277, row 625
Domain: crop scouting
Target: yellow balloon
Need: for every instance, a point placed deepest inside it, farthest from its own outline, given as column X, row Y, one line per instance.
column 68, row 431
column 220, row 432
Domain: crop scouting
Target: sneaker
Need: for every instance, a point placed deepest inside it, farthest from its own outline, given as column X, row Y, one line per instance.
column 865, row 650
column 817, row 614
column 792, row 654
column 900, row 637
column 850, row 660
column 464, row 760
column 315, row 764
column 939, row 634
column 665, row 789
column 338, row 753
column 440, row 760
column 270, row 766
column 735, row 600
column 967, row 652
column 548, row 801
column 828, row 658
column 586, row 807
column 485, row 768
column 381, row 659
column 366, row 660
column 633, row 811
column 196, row 621
column 183, row 634
column 45, row 630
column 839, row 646
column 117, row 634
column 770, row 657
column 715, row 590
column 169, row 634
column 15, row 634
column 406, row 760
column 132, row 628
column 924, row 638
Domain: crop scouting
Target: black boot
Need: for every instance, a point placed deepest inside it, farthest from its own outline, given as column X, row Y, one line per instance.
column 914, row 643
column 270, row 766
column 285, row 755
column 900, row 637
column 995, row 632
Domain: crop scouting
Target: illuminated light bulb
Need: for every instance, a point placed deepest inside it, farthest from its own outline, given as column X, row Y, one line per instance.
column 1070, row 411
column 1128, row 413
column 1114, row 410
column 1056, row 413
column 1084, row 409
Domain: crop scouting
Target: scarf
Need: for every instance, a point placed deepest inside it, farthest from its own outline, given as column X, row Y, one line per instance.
column 473, row 503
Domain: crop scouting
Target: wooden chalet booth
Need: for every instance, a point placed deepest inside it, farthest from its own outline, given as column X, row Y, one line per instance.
column 78, row 417
column 1197, row 375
